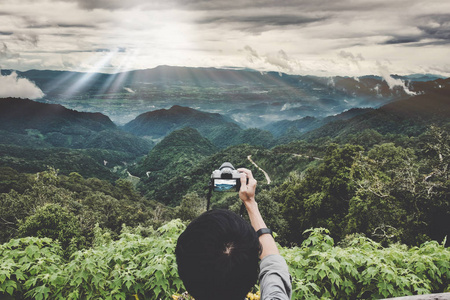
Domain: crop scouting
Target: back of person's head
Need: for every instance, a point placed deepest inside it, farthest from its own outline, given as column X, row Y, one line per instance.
column 218, row 256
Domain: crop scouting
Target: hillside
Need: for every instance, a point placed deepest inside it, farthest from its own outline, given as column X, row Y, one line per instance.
column 410, row 116
column 161, row 122
column 181, row 147
column 306, row 124
column 28, row 123
column 174, row 156
column 88, row 163
column 20, row 114
column 220, row 130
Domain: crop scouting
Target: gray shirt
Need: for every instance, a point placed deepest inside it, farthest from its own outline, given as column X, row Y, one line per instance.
column 274, row 278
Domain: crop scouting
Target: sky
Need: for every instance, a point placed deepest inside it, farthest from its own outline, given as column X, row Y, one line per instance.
column 314, row 37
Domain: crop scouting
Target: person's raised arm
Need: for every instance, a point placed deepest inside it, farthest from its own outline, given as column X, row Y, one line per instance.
column 247, row 195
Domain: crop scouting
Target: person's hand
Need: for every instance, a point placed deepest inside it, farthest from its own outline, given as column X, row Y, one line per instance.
column 247, row 191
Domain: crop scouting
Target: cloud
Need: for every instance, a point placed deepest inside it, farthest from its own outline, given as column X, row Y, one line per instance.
column 251, row 54
column 280, row 60
column 354, row 59
column 392, row 82
column 113, row 4
column 29, row 38
column 261, row 22
column 402, row 40
column 431, row 29
column 65, row 34
column 6, row 53
column 13, row 86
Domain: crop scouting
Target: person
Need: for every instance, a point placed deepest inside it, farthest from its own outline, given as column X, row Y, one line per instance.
column 218, row 254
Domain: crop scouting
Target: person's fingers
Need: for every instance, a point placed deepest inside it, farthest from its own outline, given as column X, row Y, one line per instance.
column 246, row 171
column 243, row 182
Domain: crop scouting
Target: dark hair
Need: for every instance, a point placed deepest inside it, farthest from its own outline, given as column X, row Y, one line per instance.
column 218, row 256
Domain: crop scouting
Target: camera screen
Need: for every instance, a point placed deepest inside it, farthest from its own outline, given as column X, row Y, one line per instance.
column 225, row 185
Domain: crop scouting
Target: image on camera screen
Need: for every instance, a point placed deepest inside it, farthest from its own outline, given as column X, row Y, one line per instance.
column 225, row 185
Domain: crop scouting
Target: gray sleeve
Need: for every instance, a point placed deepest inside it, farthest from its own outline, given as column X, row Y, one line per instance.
column 274, row 278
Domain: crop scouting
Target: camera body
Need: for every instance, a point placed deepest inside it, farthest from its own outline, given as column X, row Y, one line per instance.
column 226, row 179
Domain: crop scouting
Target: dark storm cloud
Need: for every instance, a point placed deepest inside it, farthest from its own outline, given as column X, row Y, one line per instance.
column 402, row 40
column 110, row 4
column 6, row 32
column 436, row 27
column 433, row 30
column 77, row 26
column 262, row 20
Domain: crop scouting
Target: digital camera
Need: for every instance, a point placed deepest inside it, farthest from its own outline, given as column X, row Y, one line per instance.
column 226, row 179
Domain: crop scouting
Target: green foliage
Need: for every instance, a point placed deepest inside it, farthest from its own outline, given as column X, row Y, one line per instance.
column 255, row 137
column 90, row 200
column 191, row 207
column 30, row 268
column 89, row 162
column 321, row 198
column 10, row 179
column 33, row 268
column 387, row 193
column 55, row 222
column 364, row 269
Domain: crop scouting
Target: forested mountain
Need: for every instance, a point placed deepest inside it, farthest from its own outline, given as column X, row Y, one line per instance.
column 20, row 114
column 410, row 116
column 219, row 129
column 176, row 154
column 28, row 123
column 160, row 123
column 181, row 149
column 306, row 124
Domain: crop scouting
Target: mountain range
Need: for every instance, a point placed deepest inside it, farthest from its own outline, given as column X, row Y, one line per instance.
column 253, row 99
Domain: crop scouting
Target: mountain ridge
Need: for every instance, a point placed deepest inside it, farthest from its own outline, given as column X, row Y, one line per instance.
column 53, row 125
column 410, row 116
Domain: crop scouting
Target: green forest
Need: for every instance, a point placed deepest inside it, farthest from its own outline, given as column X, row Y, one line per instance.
column 360, row 207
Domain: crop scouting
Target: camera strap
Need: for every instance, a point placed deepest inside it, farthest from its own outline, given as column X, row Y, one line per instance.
column 208, row 196
column 242, row 210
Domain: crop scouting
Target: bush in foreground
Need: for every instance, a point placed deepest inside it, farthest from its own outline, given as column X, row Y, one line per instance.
column 145, row 268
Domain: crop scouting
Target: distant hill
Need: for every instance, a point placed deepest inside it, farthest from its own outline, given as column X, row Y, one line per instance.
column 301, row 125
column 20, row 114
column 219, row 129
column 161, row 122
column 28, row 123
column 306, row 124
column 418, row 77
column 409, row 116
